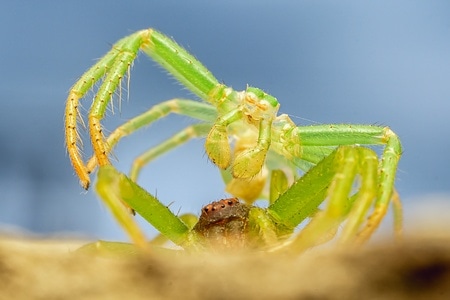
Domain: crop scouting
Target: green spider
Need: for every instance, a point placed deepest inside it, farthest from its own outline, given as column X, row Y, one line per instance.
column 258, row 151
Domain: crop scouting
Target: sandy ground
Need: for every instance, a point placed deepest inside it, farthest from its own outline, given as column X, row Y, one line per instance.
column 417, row 268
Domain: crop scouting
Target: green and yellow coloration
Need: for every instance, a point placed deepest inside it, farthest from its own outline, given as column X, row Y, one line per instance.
column 248, row 140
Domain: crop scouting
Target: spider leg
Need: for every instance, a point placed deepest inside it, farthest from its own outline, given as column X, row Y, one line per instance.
column 398, row 215
column 365, row 196
column 376, row 217
column 190, row 108
column 113, row 186
column 183, row 136
column 109, row 187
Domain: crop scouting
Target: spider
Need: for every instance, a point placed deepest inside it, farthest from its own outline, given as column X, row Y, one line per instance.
column 345, row 188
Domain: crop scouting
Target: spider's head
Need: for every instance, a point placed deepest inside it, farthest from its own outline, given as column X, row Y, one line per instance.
column 257, row 104
column 223, row 224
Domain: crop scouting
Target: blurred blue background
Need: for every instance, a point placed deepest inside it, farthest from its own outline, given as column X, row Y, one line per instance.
column 368, row 62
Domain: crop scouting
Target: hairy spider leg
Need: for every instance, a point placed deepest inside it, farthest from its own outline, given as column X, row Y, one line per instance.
column 194, row 109
column 113, row 185
column 367, row 168
column 78, row 91
column 108, row 188
column 183, row 136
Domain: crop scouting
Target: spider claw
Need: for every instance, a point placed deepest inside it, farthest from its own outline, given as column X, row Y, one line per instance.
column 85, row 184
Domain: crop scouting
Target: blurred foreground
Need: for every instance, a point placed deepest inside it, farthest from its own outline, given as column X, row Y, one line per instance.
column 417, row 268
